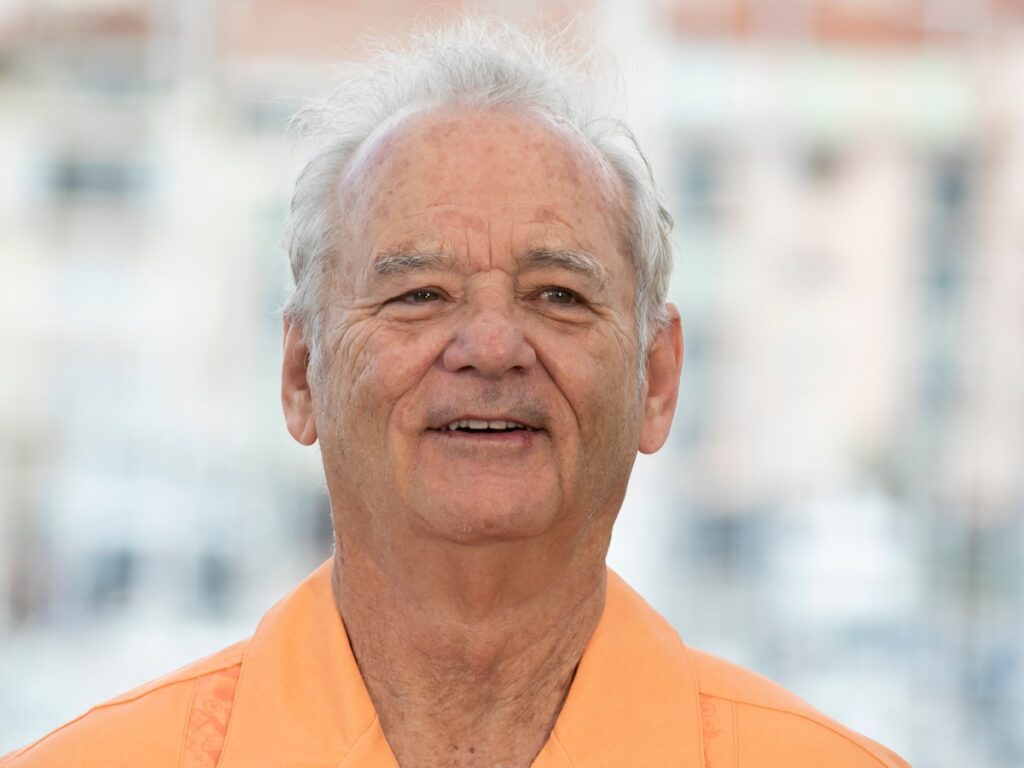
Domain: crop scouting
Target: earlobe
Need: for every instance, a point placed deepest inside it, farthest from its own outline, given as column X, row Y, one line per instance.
column 664, row 364
column 296, row 395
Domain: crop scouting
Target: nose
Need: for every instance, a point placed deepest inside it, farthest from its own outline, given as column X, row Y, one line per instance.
column 490, row 341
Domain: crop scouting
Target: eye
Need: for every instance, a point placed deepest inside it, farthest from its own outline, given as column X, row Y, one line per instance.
column 557, row 295
column 420, row 296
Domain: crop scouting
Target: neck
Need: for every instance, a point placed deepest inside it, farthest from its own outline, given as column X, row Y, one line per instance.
column 469, row 659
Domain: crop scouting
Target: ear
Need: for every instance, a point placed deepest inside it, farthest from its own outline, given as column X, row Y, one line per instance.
column 296, row 396
column 664, row 363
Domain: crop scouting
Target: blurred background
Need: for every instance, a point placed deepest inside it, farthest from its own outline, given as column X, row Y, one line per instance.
column 840, row 506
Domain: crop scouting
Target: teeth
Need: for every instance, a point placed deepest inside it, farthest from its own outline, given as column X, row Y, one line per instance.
column 481, row 424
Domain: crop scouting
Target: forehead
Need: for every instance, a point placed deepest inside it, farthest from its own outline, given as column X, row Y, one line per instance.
column 527, row 173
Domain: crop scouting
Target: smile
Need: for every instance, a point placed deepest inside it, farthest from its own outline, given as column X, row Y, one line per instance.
column 481, row 425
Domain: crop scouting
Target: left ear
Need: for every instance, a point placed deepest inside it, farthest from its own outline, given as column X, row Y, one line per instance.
column 664, row 364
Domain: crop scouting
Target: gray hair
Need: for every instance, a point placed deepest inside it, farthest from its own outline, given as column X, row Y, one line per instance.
column 481, row 63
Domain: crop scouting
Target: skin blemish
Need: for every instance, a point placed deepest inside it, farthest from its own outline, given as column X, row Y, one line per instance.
column 543, row 214
column 441, row 130
column 569, row 172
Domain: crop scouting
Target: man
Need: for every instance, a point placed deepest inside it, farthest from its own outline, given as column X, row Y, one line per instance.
column 479, row 342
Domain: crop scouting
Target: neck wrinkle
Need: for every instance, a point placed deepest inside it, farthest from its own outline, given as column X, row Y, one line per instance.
column 489, row 683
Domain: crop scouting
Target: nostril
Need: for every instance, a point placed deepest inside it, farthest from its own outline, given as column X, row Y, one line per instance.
column 491, row 346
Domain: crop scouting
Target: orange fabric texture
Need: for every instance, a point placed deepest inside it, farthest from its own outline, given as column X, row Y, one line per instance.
column 208, row 717
column 292, row 696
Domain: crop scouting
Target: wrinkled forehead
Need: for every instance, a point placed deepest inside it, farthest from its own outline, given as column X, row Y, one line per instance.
column 487, row 164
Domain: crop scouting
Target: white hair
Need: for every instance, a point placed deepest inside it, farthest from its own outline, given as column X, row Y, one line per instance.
column 480, row 63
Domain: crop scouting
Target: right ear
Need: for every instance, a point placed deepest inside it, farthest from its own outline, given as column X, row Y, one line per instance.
column 296, row 396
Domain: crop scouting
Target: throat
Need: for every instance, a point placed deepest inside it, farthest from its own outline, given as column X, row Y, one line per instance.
column 452, row 691
column 478, row 729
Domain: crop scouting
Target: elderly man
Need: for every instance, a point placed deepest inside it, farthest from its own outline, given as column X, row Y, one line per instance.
column 479, row 342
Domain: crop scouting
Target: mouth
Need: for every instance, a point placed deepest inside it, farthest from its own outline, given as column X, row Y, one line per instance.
column 484, row 438
column 497, row 429
column 486, row 426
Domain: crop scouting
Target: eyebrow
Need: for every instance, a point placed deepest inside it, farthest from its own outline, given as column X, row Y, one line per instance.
column 403, row 261
column 580, row 262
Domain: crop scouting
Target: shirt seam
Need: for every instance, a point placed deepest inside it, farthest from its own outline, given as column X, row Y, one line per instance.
column 735, row 736
column 238, row 687
column 827, row 726
column 696, row 687
column 358, row 740
column 188, row 718
column 112, row 704
column 561, row 746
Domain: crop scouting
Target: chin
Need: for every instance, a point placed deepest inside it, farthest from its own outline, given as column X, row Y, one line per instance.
column 483, row 521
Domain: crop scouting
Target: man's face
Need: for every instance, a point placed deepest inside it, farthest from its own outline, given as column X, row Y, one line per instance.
column 481, row 284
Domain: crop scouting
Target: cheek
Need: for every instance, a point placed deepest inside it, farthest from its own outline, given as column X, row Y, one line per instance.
column 595, row 374
column 612, row 391
column 375, row 369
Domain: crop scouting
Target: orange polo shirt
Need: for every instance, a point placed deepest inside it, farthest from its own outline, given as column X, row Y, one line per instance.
column 292, row 695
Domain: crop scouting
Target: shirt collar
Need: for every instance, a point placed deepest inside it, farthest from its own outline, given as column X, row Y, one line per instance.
column 301, row 700
column 634, row 700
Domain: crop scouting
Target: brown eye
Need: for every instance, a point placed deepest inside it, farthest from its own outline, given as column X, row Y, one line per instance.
column 421, row 296
column 559, row 296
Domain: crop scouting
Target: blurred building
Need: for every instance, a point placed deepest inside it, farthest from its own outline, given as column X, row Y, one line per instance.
column 849, row 196
column 840, row 506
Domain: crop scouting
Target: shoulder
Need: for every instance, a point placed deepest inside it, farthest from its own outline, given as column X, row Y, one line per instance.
column 747, row 720
column 760, row 714
column 144, row 726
